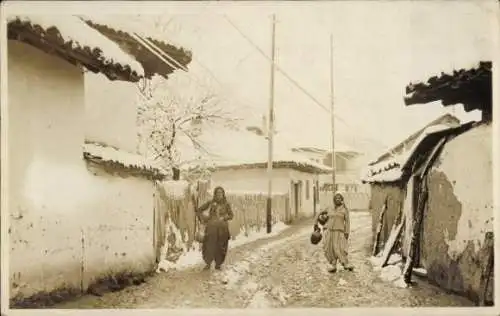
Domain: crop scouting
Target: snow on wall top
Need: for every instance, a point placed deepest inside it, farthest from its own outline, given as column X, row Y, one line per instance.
column 80, row 36
column 108, row 153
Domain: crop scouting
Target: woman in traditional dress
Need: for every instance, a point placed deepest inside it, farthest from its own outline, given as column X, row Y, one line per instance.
column 336, row 233
column 216, row 238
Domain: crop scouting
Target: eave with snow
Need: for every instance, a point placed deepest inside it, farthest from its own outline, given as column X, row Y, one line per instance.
column 97, row 46
column 72, row 40
column 115, row 160
column 406, row 144
column 472, row 88
column 400, row 167
column 297, row 164
column 126, row 37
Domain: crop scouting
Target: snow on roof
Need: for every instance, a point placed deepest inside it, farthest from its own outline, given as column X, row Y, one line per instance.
column 392, row 169
column 79, row 36
column 165, row 58
column 229, row 148
column 127, row 159
column 310, row 147
column 131, row 25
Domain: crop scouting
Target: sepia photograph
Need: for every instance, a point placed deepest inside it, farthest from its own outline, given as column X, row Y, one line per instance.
column 248, row 155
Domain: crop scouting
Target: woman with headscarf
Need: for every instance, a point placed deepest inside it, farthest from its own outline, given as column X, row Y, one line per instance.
column 216, row 239
column 336, row 233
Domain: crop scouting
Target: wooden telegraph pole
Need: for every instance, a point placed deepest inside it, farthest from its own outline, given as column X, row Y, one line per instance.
column 270, row 133
column 332, row 114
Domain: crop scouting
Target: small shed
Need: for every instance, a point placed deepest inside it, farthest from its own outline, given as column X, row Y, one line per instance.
column 444, row 189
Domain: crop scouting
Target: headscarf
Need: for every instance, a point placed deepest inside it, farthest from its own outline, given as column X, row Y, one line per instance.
column 223, row 194
column 338, row 193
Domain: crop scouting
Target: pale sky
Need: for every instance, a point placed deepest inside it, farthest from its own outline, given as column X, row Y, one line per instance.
column 379, row 47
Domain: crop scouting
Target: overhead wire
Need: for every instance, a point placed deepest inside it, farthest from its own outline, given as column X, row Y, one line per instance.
column 293, row 81
column 174, row 64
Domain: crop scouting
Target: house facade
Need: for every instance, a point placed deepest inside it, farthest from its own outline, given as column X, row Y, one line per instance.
column 289, row 180
column 441, row 193
column 348, row 166
column 237, row 160
column 78, row 211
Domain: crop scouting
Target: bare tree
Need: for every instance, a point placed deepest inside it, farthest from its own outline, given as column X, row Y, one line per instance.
column 175, row 108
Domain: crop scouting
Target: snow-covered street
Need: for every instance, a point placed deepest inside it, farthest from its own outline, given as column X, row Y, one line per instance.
column 282, row 271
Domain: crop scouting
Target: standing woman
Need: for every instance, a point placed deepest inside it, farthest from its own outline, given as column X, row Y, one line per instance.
column 216, row 239
column 336, row 233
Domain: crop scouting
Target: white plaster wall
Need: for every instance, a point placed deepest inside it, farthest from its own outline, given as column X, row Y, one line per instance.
column 111, row 104
column 255, row 180
column 119, row 234
column 467, row 162
column 307, row 206
column 66, row 224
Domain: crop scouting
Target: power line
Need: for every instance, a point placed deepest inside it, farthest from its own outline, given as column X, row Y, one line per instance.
column 294, row 82
column 174, row 64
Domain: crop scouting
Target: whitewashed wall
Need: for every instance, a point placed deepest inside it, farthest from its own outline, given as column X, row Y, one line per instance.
column 255, row 180
column 307, row 199
column 67, row 225
column 111, row 103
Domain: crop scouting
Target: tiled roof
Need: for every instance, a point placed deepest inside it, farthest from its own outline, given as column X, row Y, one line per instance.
column 472, row 88
column 71, row 39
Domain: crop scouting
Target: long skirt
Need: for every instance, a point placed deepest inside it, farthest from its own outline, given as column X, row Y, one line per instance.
column 335, row 247
column 215, row 243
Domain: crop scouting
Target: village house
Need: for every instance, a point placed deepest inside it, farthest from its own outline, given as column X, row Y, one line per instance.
column 239, row 164
column 384, row 168
column 79, row 211
column 348, row 166
column 437, row 196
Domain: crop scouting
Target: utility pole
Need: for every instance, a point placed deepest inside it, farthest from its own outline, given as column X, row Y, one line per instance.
column 332, row 114
column 270, row 132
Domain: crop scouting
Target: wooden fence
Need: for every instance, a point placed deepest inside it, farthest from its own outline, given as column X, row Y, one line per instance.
column 175, row 220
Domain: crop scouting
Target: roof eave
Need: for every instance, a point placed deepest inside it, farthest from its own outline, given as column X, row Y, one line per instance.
column 53, row 44
column 151, row 63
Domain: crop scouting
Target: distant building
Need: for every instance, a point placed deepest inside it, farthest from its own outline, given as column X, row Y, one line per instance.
column 348, row 165
column 238, row 162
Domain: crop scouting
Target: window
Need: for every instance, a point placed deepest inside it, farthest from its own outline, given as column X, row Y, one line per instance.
column 307, row 189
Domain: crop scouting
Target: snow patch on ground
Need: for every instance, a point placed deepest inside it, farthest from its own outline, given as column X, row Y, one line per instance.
column 188, row 259
column 192, row 257
column 254, row 235
column 250, row 287
column 391, row 272
column 259, row 300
